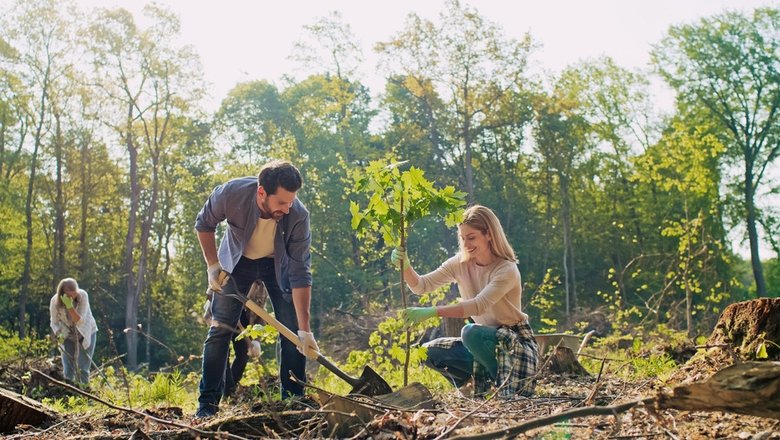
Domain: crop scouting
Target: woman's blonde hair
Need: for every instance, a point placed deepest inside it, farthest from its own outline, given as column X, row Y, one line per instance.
column 484, row 220
column 67, row 283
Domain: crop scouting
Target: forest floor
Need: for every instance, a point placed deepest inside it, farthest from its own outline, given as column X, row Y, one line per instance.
column 452, row 414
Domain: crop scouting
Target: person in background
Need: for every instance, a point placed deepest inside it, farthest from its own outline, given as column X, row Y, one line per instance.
column 74, row 329
column 267, row 238
column 499, row 348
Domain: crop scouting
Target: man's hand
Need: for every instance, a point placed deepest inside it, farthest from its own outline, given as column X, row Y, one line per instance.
column 413, row 315
column 310, row 348
column 214, row 271
column 398, row 255
column 67, row 301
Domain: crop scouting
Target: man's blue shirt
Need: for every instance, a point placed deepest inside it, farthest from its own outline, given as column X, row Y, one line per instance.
column 236, row 202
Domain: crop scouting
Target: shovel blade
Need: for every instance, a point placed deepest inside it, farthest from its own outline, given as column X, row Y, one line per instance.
column 371, row 383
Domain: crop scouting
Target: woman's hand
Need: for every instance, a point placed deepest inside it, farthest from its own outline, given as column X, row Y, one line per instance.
column 399, row 255
column 67, row 301
column 413, row 315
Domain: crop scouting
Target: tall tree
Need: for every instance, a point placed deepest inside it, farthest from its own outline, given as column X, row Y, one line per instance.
column 562, row 141
column 150, row 80
column 680, row 180
column 729, row 64
column 617, row 106
column 471, row 64
column 40, row 34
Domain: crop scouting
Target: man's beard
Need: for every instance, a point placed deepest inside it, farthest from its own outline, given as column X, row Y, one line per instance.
column 276, row 215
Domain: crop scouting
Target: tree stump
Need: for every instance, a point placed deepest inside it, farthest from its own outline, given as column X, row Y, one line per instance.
column 451, row 327
column 563, row 361
column 749, row 327
column 16, row 409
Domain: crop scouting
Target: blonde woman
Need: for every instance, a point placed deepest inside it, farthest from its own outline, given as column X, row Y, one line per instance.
column 498, row 348
column 74, row 328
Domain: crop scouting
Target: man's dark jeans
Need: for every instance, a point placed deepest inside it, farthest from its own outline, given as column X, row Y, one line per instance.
column 227, row 311
column 235, row 371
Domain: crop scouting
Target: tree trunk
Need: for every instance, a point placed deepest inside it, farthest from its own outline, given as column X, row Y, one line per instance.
column 59, row 205
column 131, row 302
column 85, row 168
column 755, row 259
column 467, row 146
column 568, row 248
column 28, row 207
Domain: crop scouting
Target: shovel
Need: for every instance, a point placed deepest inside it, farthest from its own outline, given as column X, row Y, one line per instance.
column 368, row 384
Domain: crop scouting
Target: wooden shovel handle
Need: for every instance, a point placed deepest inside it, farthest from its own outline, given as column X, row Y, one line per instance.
column 270, row 319
column 287, row 333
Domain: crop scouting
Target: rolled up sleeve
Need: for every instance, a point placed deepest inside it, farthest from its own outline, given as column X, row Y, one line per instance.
column 86, row 325
column 213, row 211
column 443, row 275
column 56, row 324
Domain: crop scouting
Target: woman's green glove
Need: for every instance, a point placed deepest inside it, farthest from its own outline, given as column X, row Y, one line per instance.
column 67, row 301
column 398, row 255
column 414, row 315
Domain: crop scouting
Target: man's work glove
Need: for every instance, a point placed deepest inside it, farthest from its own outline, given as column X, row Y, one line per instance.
column 399, row 254
column 310, row 348
column 413, row 315
column 215, row 280
column 254, row 349
column 67, row 301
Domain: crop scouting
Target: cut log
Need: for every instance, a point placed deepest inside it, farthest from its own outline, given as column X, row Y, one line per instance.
column 16, row 409
column 751, row 388
column 750, row 327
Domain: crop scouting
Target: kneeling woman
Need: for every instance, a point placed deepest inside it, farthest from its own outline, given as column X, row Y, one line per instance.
column 499, row 348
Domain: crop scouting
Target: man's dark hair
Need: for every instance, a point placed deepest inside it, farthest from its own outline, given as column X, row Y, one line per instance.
column 279, row 173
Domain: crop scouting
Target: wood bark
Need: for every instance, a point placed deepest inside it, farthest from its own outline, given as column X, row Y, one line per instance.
column 751, row 388
column 563, row 361
column 749, row 326
column 16, row 409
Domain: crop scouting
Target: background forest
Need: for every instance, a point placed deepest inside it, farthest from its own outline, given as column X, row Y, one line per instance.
column 615, row 208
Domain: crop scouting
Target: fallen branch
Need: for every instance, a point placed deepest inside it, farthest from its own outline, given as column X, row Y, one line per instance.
column 549, row 420
column 192, row 430
column 751, row 388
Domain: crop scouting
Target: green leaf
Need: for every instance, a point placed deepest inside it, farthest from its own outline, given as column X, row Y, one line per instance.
column 761, row 351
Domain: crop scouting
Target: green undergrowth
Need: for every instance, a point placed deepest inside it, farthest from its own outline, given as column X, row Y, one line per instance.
column 638, row 356
column 14, row 347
